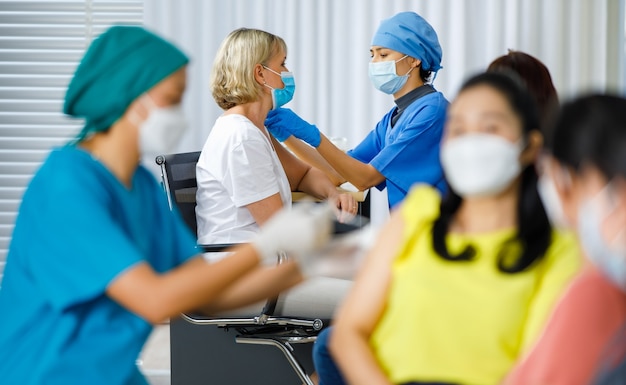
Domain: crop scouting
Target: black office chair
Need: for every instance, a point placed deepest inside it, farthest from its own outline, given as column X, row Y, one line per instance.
column 178, row 173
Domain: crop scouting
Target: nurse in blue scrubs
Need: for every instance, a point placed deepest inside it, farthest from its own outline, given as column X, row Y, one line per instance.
column 403, row 148
column 96, row 255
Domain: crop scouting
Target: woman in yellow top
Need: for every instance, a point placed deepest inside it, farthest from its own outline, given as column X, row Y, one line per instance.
column 456, row 289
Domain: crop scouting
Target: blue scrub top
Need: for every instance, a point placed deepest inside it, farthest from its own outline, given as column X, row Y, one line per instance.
column 79, row 228
column 408, row 152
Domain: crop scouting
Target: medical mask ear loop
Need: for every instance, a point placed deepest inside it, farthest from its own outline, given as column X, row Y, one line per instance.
column 618, row 242
column 272, row 94
column 398, row 61
column 149, row 104
column 276, row 73
column 270, row 87
column 402, row 58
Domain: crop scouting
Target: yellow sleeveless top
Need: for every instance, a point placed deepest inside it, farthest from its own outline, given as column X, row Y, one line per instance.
column 463, row 322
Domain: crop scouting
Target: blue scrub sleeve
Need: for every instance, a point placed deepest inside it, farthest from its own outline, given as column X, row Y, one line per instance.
column 181, row 241
column 79, row 248
column 370, row 147
column 80, row 230
column 413, row 155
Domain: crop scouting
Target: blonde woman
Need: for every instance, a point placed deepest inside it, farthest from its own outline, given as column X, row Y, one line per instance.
column 244, row 175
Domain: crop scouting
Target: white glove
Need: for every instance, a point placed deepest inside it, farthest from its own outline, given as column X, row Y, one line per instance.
column 297, row 231
column 343, row 256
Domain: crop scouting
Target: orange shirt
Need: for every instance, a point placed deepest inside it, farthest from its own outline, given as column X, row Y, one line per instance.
column 570, row 350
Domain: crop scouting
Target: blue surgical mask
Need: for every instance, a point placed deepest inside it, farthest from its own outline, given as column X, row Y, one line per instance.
column 384, row 77
column 609, row 257
column 282, row 96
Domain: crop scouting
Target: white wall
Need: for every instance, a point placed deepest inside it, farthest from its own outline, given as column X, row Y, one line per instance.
column 581, row 41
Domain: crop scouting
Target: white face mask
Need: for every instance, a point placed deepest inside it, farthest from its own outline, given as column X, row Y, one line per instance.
column 551, row 202
column 478, row 165
column 609, row 257
column 161, row 131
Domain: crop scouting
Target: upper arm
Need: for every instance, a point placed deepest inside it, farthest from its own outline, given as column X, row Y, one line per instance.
column 70, row 261
column 263, row 210
column 295, row 169
column 411, row 153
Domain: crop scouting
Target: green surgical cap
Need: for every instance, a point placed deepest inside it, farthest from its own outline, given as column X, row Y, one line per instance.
column 119, row 66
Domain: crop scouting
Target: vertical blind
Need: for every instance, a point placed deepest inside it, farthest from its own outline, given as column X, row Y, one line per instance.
column 41, row 43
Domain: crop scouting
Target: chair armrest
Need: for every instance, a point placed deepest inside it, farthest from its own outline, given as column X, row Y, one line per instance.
column 217, row 247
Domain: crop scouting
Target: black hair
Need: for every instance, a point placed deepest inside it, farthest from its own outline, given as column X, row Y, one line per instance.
column 425, row 75
column 533, row 235
column 591, row 130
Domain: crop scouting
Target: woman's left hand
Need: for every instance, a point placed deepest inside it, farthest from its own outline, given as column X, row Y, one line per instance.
column 347, row 206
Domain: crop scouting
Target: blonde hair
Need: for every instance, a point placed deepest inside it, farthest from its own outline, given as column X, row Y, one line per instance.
column 232, row 75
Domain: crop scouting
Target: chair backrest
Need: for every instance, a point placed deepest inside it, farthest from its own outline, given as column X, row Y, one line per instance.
column 178, row 173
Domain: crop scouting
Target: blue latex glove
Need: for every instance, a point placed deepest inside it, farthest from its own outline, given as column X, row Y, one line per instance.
column 282, row 122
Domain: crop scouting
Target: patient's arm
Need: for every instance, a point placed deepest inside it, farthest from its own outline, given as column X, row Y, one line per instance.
column 309, row 155
column 306, row 178
column 264, row 209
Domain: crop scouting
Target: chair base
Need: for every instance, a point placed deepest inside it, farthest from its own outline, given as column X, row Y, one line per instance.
column 284, row 345
column 205, row 354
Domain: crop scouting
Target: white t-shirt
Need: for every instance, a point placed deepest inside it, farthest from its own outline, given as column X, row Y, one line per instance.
column 238, row 166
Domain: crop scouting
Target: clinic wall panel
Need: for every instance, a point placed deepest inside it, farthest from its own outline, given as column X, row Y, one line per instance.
column 581, row 41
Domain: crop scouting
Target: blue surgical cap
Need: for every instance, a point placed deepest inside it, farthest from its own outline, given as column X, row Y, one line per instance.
column 410, row 34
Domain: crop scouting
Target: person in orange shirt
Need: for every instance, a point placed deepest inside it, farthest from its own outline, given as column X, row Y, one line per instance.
column 584, row 186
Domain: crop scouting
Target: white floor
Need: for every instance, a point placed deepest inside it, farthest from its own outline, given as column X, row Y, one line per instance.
column 154, row 361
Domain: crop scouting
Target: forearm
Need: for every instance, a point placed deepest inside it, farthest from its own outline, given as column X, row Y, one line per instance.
column 197, row 284
column 355, row 358
column 361, row 175
column 258, row 285
column 264, row 209
column 316, row 184
column 156, row 297
column 308, row 154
